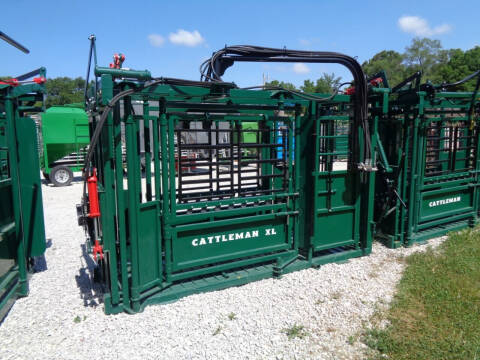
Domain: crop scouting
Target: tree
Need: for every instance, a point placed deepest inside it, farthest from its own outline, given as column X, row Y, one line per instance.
column 461, row 64
column 425, row 55
column 64, row 90
column 284, row 85
column 389, row 61
column 327, row 83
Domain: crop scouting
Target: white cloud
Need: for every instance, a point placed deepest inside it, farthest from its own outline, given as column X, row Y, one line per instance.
column 187, row 38
column 156, row 40
column 420, row 27
column 301, row 68
column 304, row 42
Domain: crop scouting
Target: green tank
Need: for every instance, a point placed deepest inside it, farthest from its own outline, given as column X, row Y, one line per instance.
column 65, row 135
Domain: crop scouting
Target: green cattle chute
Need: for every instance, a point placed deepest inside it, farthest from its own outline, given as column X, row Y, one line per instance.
column 428, row 182
column 238, row 204
column 22, row 233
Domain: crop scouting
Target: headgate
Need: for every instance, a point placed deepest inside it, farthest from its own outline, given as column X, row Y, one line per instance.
column 431, row 141
column 226, row 195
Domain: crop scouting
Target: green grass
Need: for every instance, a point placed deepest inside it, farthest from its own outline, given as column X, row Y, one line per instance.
column 296, row 331
column 436, row 312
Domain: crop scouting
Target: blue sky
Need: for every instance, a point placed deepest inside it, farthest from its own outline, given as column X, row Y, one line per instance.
column 150, row 33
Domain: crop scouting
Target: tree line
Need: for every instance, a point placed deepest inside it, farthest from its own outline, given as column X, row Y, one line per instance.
column 437, row 65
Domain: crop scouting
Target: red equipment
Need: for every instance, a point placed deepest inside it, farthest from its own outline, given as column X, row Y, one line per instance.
column 93, row 195
column 118, row 60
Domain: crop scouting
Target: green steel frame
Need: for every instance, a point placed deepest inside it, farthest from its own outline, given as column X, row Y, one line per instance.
column 22, row 233
column 428, row 182
column 243, row 215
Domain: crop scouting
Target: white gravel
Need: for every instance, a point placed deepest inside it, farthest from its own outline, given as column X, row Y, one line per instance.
column 332, row 304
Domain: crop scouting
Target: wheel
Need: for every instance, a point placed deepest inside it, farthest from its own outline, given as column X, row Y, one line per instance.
column 61, row 176
column 46, row 176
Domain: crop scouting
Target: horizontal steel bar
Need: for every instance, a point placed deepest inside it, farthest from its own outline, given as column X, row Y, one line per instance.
column 249, row 220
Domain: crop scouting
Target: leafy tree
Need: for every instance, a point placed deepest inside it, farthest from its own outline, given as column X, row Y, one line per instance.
column 327, row 83
column 425, row 55
column 285, row 85
column 64, row 90
column 461, row 64
column 389, row 61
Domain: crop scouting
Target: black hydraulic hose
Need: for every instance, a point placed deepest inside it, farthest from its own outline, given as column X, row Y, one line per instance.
column 96, row 135
column 415, row 76
column 460, row 82
column 300, row 94
column 212, row 69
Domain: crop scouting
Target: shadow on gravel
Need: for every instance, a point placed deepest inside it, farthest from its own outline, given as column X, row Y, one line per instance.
column 91, row 292
column 39, row 262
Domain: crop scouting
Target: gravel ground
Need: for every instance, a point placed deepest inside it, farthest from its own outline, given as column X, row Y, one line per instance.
column 63, row 317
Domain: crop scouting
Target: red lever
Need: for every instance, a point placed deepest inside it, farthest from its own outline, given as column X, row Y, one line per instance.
column 350, row 90
column 97, row 249
column 11, row 82
column 118, row 60
column 93, row 195
column 376, row 81
column 39, row 80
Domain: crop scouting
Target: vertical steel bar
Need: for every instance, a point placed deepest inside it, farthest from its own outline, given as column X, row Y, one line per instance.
column 217, row 157
column 109, row 213
column 11, row 117
column 171, row 154
column 133, row 177
column 156, row 158
column 166, row 212
column 239, row 157
column 296, row 202
column 413, row 178
column 315, row 174
column 148, row 151
column 121, row 220
column 232, row 164
column 178, row 162
column 210, row 157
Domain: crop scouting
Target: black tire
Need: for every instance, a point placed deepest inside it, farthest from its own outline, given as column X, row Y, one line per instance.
column 61, row 176
column 46, row 176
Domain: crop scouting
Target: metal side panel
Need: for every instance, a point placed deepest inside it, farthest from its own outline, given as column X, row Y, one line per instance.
column 149, row 244
column 445, row 203
column 335, row 215
column 31, row 188
column 215, row 244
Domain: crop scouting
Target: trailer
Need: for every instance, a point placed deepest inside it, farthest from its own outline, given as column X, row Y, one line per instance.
column 256, row 208
column 64, row 138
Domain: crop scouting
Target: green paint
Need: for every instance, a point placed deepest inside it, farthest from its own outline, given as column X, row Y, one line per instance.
column 22, row 233
column 308, row 202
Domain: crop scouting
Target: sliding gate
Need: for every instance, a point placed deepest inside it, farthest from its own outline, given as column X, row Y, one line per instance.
column 341, row 195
